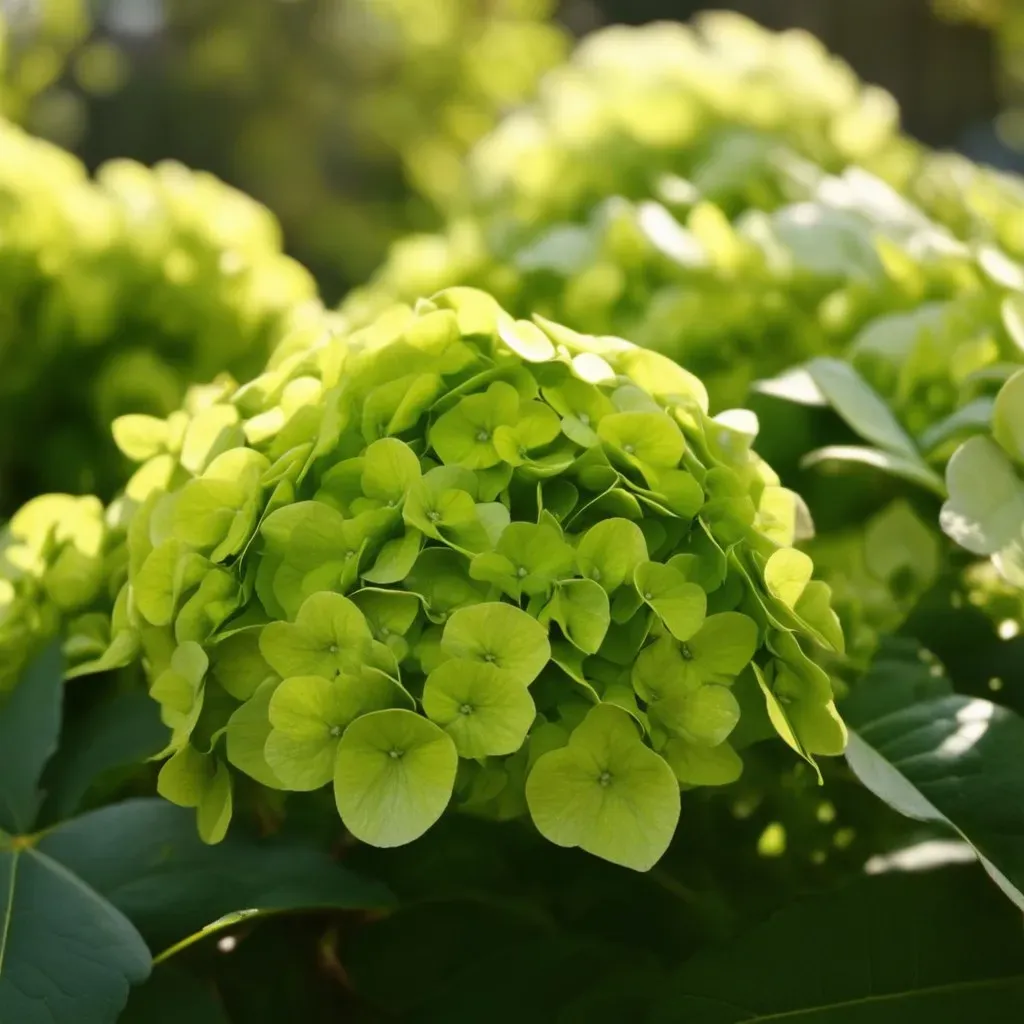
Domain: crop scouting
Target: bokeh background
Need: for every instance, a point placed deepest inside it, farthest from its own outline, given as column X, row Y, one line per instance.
column 348, row 118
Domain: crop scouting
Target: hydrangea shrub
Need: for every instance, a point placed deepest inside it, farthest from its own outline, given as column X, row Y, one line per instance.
column 458, row 557
column 116, row 293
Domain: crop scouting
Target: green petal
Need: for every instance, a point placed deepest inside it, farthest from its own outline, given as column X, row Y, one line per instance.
column 526, row 340
column 786, row 573
column 501, row 635
column 393, row 777
column 463, row 436
column 697, row 765
column 581, row 609
column 660, row 672
column 329, row 634
column 680, row 605
column 650, row 438
column 606, row 792
column 706, row 716
column 485, row 711
column 440, row 576
column 248, row 729
column 238, row 665
column 390, row 468
column 140, row 437
column 725, row 644
column 610, row 551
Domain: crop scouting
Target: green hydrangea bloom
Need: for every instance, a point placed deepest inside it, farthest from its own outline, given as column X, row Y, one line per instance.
column 456, row 558
column 136, row 283
column 734, row 199
column 58, row 562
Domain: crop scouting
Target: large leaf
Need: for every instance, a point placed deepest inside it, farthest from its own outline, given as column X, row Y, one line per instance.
column 940, row 757
column 171, row 997
column 29, row 728
column 145, row 857
column 66, row 955
column 937, row 947
column 860, row 406
column 894, row 463
column 124, row 730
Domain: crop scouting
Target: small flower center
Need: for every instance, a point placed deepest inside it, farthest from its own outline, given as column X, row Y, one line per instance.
column 604, row 779
column 333, row 648
column 685, row 651
column 483, row 436
column 584, row 419
column 521, row 571
column 433, row 516
column 335, row 731
column 466, row 709
column 648, row 595
column 395, row 754
column 628, row 449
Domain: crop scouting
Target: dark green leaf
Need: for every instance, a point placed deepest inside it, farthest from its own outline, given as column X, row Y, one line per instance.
column 938, row 947
column 172, row 996
column 122, row 731
column 66, row 955
column 29, row 728
column 947, row 759
column 145, row 857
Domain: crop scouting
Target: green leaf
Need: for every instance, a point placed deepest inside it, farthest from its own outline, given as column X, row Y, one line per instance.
column 894, row 463
column 29, row 729
column 606, row 792
column 901, row 948
column 145, row 858
column 861, row 407
column 680, row 605
column 985, row 511
column 500, row 635
column 66, row 955
column 947, row 759
column 171, row 996
column 610, row 551
column 393, row 777
column 122, row 731
column 486, row 711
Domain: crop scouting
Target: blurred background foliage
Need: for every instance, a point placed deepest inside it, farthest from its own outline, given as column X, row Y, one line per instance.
column 349, row 118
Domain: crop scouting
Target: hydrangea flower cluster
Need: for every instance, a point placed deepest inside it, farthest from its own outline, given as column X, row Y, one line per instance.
column 458, row 557
column 136, row 283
